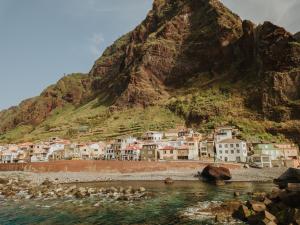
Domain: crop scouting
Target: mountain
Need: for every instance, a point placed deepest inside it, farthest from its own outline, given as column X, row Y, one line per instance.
column 189, row 61
column 297, row 36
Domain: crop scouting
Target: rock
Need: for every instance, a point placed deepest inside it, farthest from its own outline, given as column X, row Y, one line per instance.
column 296, row 216
column 246, row 166
column 142, row 189
column 242, row 213
column 292, row 175
column 291, row 199
column 47, row 183
column 256, row 206
column 129, row 190
column 169, row 181
column 213, row 173
column 267, row 201
column 236, row 194
column 97, row 204
column 263, row 217
column 4, row 180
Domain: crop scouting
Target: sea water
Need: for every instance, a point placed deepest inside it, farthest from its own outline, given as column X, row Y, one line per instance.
column 167, row 206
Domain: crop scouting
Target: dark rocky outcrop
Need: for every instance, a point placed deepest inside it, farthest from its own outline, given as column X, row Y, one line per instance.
column 213, row 173
column 292, row 175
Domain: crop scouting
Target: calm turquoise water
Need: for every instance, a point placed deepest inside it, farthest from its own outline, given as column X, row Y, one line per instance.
column 165, row 208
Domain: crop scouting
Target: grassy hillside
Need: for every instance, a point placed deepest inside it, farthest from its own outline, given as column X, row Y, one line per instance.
column 93, row 122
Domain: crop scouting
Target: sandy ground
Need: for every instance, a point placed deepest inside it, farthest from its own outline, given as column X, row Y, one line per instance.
column 259, row 175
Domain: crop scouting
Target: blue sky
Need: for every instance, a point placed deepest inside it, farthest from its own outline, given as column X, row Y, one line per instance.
column 41, row 40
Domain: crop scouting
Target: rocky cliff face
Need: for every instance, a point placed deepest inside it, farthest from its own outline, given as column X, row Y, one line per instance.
column 72, row 89
column 179, row 41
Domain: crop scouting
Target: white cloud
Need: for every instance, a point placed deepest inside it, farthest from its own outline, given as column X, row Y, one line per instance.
column 95, row 44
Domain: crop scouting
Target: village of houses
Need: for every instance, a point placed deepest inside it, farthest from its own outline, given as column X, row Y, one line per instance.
column 222, row 145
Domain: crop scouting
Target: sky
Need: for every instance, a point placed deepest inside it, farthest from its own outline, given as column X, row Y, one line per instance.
column 41, row 40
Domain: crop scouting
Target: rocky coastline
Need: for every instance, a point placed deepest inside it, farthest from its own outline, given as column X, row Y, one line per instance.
column 19, row 189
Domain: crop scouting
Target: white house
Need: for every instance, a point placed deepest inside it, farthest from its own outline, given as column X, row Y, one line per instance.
column 153, row 136
column 109, row 153
column 96, row 150
column 231, row 150
column 54, row 148
column 223, row 133
column 8, row 156
column 131, row 152
column 193, row 145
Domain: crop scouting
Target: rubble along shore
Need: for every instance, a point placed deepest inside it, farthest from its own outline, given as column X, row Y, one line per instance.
column 17, row 189
column 238, row 175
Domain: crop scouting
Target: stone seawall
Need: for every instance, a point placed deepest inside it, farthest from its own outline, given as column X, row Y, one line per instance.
column 107, row 166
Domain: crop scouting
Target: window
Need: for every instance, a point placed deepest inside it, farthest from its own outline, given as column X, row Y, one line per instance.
column 231, row 145
column 237, row 145
column 220, row 146
column 165, row 152
column 232, row 151
column 220, row 151
column 238, row 151
column 226, row 146
column 226, row 151
column 171, row 151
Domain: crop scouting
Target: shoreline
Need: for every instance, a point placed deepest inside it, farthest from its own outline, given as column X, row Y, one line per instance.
column 238, row 175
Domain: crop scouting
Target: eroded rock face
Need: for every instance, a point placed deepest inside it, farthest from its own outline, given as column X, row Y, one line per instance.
column 73, row 89
column 175, row 41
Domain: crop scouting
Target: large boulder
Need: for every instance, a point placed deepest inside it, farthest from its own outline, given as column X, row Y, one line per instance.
column 214, row 173
column 292, row 175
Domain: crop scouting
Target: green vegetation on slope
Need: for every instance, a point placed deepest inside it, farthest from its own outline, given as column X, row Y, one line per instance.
column 208, row 109
column 92, row 122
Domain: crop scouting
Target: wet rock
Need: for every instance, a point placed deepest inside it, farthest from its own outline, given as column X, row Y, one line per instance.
column 97, row 204
column 242, row 213
column 256, row 206
column 267, row 201
column 236, row 194
column 212, row 173
column 263, row 217
column 169, row 181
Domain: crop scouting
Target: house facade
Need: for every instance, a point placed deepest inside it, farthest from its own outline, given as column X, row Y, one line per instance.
column 183, row 152
column 149, row 152
column 167, row 153
column 131, row 153
column 153, row 136
column 231, row 150
column 268, row 149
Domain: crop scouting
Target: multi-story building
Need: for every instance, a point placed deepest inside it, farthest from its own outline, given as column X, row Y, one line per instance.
column 149, row 152
column 153, row 136
column 206, row 149
column 268, row 149
column 183, row 152
column 167, row 153
column 231, row 150
column 131, row 153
